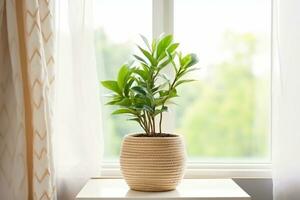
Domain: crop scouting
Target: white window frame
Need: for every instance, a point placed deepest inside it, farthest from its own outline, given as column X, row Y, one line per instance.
column 201, row 170
column 163, row 22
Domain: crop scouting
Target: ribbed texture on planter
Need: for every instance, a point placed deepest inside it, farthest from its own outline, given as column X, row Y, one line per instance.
column 152, row 163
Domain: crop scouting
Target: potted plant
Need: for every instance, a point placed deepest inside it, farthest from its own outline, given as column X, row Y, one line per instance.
column 152, row 160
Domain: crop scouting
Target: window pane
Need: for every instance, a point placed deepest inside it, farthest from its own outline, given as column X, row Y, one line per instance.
column 117, row 28
column 225, row 114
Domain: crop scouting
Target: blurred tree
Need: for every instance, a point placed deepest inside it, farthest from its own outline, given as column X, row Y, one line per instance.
column 220, row 115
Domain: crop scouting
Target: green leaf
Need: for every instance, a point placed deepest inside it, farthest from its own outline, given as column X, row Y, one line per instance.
column 155, row 89
column 146, row 41
column 122, row 76
column 142, row 73
column 185, row 60
column 112, row 102
column 124, row 102
column 165, row 63
column 123, row 111
column 153, row 45
column 171, row 58
column 145, row 67
column 134, row 119
column 172, row 47
column 148, row 108
column 169, row 102
column 137, row 107
column 183, row 81
column 163, row 93
column 168, row 50
column 186, row 71
column 143, row 100
column 194, row 60
column 163, row 44
column 127, row 87
column 148, row 56
column 139, row 90
column 163, row 109
column 173, row 93
column 112, row 85
column 159, row 101
column 140, row 59
column 188, row 61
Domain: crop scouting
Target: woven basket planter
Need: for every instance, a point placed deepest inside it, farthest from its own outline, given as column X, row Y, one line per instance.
column 152, row 163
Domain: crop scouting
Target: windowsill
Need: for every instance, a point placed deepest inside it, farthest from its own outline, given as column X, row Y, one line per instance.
column 196, row 171
column 218, row 189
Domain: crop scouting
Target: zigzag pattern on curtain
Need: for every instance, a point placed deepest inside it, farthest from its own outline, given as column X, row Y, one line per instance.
column 13, row 162
column 39, row 43
column 37, row 17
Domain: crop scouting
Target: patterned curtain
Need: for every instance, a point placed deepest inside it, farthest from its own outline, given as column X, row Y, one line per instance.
column 13, row 162
column 27, row 77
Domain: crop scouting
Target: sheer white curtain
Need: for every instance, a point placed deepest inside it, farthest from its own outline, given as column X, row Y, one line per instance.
column 77, row 141
column 286, row 107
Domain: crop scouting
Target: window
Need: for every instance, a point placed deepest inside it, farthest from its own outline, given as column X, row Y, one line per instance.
column 117, row 28
column 224, row 116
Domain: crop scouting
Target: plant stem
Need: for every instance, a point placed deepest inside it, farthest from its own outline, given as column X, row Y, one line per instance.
column 142, row 126
column 153, row 120
column 146, row 123
column 160, row 122
column 151, row 123
column 161, row 116
column 141, row 122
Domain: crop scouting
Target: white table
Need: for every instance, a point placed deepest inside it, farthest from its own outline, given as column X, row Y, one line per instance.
column 208, row 189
